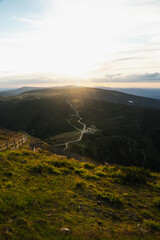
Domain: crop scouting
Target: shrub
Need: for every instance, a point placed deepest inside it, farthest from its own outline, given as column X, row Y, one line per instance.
column 61, row 163
column 14, row 155
column 111, row 198
column 90, row 176
column 89, row 166
column 154, row 186
column 8, row 173
column 65, row 171
column 112, row 169
column 9, row 184
column 133, row 175
column 1, row 156
column 80, row 185
column 80, row 171
column 152, row 224
column 36, row 169
column 146, row 214
column 27, row 153
column 157, row 202
column 51, row 170
column 100, row 174
column 39, row 169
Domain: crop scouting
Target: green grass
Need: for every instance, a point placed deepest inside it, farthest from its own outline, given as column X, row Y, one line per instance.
column 40, row 193
column 157, row 202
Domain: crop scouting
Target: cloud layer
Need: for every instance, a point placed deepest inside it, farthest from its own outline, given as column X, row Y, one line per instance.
column 117, row 41
column 134, row 78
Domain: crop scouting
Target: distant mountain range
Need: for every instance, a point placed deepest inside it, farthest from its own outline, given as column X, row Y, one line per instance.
column 143, row 92
column 14, row 92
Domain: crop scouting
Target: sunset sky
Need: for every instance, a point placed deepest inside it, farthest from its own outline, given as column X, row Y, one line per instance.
column 80, row 42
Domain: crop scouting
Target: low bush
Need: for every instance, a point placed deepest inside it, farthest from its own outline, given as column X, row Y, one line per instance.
column 80, row 171
column 111, row 198
column 152, row 224
column 8, row 185
column 14, row 155
column 90, row 176
column 157, row 202
column 61, row 163
column 1, row 156
column 80, row 185
column 25, row 152
column 51, row 170
column 65, row 171
column 146, row 214
column 40, row 169
column 89, row 166
column 133, row 175
column 100, row 174
column 36, row 169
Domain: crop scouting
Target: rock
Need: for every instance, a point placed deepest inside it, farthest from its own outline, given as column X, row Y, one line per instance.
column 106, row 164
column 142, row 229
column 65, row 230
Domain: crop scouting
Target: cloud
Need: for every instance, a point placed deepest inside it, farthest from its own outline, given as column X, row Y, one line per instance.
column 111, row 37
column 134, row 78
column 35, row 80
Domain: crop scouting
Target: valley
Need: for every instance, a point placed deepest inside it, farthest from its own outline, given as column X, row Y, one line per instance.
column 96, row 124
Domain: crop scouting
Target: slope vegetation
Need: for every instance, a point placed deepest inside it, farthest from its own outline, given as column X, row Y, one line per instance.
column 46, row 196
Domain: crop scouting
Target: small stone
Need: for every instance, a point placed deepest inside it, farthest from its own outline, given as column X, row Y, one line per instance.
column 142, row 229
column 65, row 230
column 106, row 164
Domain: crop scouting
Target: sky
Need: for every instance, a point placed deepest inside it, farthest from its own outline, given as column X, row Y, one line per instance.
column 82, row 42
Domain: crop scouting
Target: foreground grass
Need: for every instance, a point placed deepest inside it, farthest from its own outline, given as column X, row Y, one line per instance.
column 40, row 193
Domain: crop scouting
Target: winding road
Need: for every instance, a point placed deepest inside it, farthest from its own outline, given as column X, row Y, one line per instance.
column 82, row 131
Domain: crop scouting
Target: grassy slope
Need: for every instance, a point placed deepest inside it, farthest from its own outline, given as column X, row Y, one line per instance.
column 40, row 193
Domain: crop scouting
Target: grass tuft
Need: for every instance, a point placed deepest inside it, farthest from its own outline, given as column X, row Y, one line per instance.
column 157, row 202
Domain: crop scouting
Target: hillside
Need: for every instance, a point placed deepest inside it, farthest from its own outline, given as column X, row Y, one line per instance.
column 125, row 134
column 150, row 93
column 97, row 94
column 17, row 91
column 42, row 194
